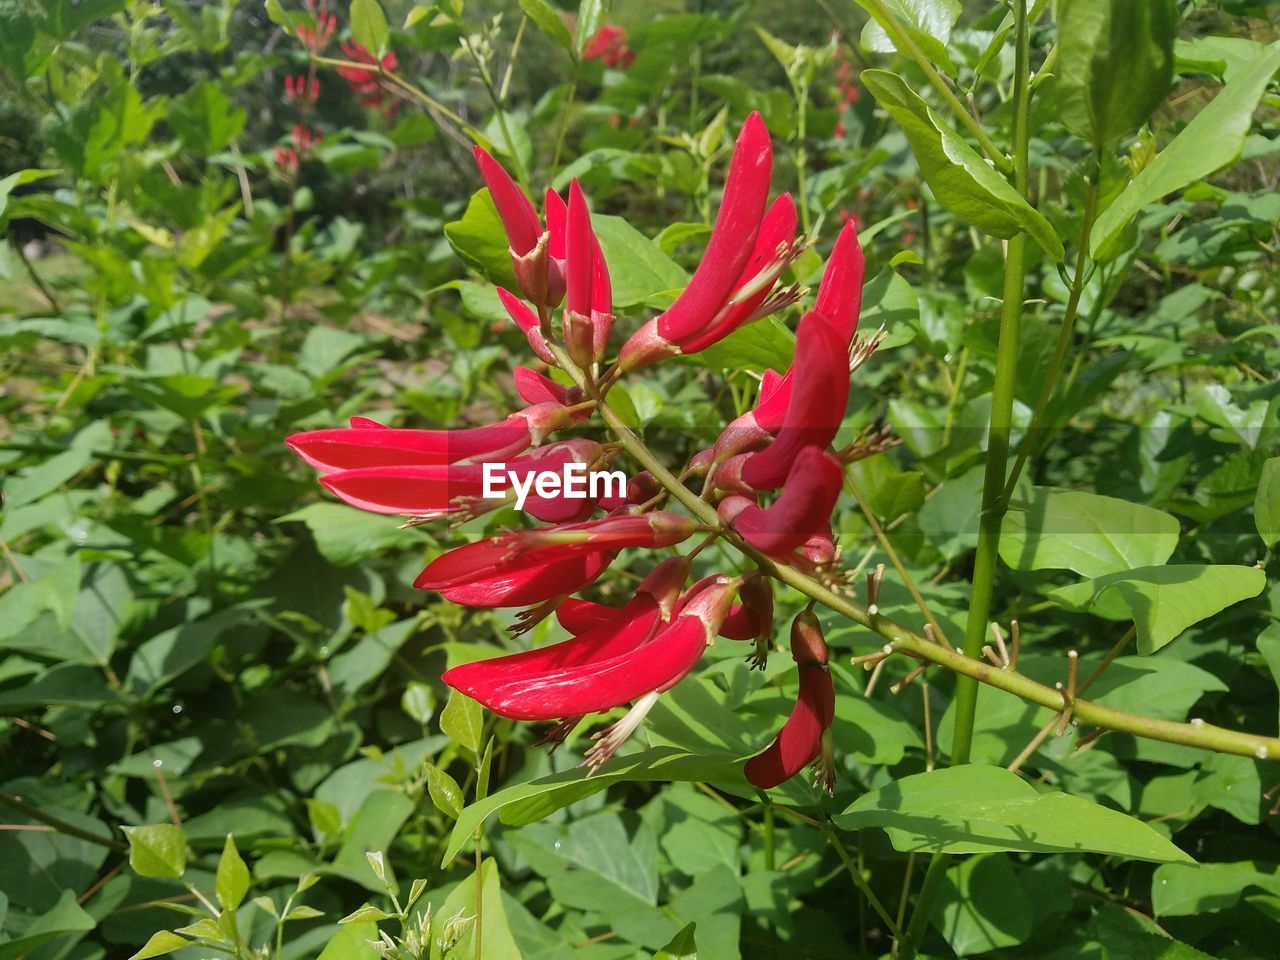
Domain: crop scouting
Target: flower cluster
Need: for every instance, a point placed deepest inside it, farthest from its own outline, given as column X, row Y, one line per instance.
column 769, row 481
column 316, row 38
column 609, row 46
column 368, row 84
column 302, row 140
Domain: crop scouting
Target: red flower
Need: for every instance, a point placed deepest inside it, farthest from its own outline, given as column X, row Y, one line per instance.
column 701, row 305
column 630, row 654
column 804, row 736
column 609, row 46
column 622, row 660
column 802, row 509
column 368, row 84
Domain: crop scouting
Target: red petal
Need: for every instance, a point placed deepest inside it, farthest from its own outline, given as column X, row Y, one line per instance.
column 580, row 254
column 778, row 228
column 579, row 616
column 557, row 224
column 518, row 216
column 339, row 449
column 533, row 387
column 527, row 321
column 733, row 237
column 803, row 508
column 840, row 292
column 816, row 407
column 800, row 740
column 525, row 587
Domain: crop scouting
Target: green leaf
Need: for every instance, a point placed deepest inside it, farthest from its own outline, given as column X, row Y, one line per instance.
column 352, row 942
column 1212, row 140
column 1115, row 65
column 1163, row 601
column 1269, row 647
column 160, row 944
column 1133, row 937
column 983, row 907
column 962, row 181
column 369, row 26
column 978, row 809
column 682, row 946
column 1266, row 503
column 345, row 536
column 232, row 881
column 763, row 345
column 528, row 802
column 157, row 851
column 927, row 22
column 481, row 242
column 444, row 790
column 546, row 19
column 17, row 180
column 590, row 18
column 1188, row 890
column 1051, row 529
column 462, row 721
column 491, row 911
column 58, row 469
column 638, row 268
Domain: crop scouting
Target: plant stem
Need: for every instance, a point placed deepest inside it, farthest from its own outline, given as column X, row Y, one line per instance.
column 62, row 826
column 860, row 881
column 994, row 502
column 1064, row 338
column 905, row 44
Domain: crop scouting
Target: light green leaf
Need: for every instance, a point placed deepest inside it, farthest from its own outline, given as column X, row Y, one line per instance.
column 462, row 721
column 763, row 345
column 444, row 790
column 1050, row 529
column 1163, row 601
column 160, row 944
column 1188, row 890
column 159, row 850
column 352, row 942
column 232, row 881
column 927, row 22
column 962, row 181
column 546, row 19
column 496, row 936
column 1115, row 65
column 18, row 179
column 590, row 18
column 638, row 268
column 529, row 802
column 369, row 26
column 481, row 242
column 1132, row 936
column 1266, row 503
column 1212, row 140
column 682, row 946
column 978, row 809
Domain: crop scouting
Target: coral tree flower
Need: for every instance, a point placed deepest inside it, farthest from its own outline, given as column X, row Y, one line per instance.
column 609, row 46
column 367, row 84
column 732, row 271
column 804, row 735
column 633, row 653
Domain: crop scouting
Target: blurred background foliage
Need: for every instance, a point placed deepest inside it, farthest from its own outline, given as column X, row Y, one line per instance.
column 195, row 643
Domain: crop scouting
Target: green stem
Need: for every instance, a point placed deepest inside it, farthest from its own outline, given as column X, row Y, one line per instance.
column 903, row 42
column 1064, row 338
column 994, row 502
column 60, row 825
column 860, row 881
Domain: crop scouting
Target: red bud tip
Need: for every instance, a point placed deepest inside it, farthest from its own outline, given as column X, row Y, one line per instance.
column 517, row 213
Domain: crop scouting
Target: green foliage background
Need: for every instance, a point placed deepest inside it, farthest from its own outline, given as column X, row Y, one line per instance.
column 220, row 711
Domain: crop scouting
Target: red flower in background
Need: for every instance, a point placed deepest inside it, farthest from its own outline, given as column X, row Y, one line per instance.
column 368, row 84
column 631, row 654
column 609, row 46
